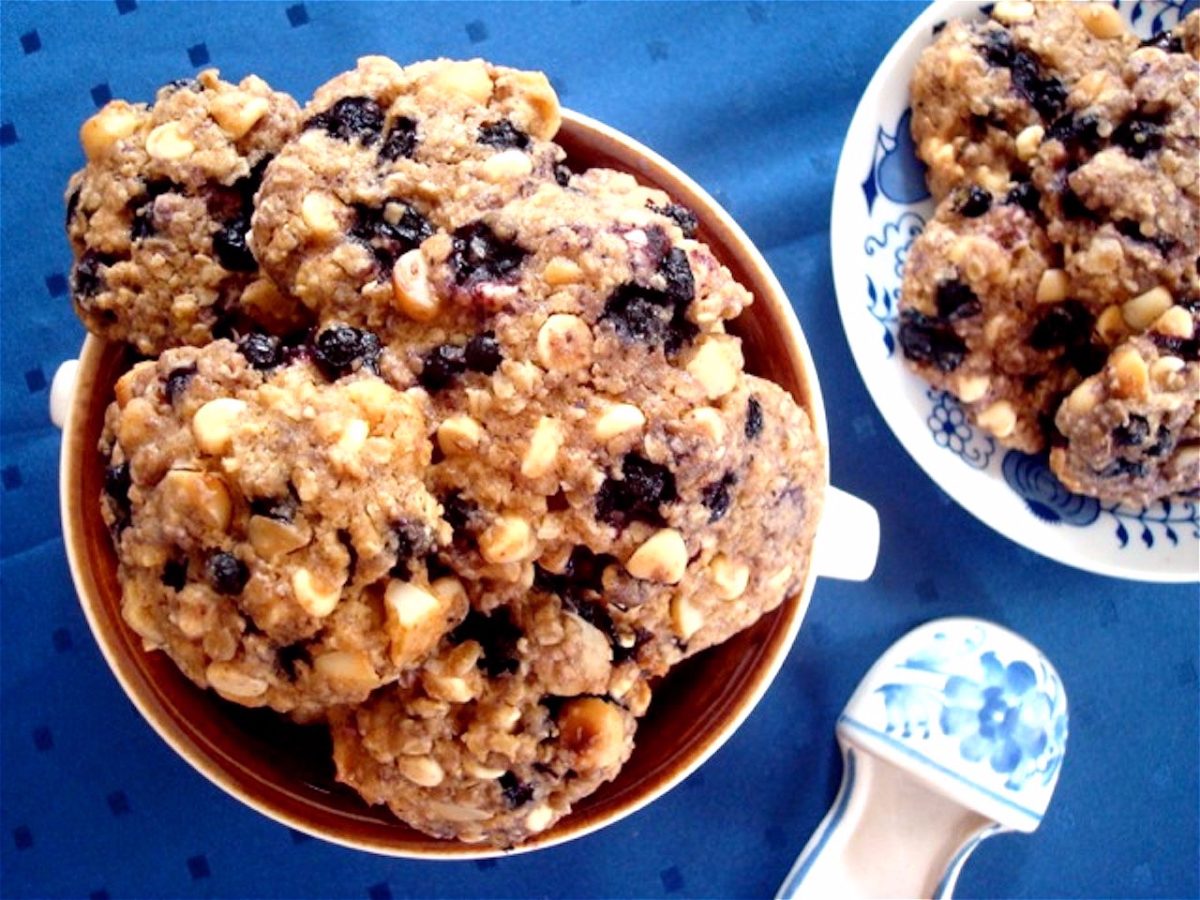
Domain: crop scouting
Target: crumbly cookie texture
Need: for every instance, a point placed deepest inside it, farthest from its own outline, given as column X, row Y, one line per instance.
column 270, row 522
column 158, row 218
column 515, row 472
column 1133, row 429
column 1066, row 157
column 387, row 157
column 985, row 316
column 984, row 93
column 473, row 747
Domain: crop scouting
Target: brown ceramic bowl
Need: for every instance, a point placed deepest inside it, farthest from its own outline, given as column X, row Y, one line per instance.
column 284, row 770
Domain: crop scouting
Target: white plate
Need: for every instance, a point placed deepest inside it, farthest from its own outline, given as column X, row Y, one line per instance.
column 880, row 204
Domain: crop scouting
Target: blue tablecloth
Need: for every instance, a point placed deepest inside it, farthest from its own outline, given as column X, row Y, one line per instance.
column 752, row 99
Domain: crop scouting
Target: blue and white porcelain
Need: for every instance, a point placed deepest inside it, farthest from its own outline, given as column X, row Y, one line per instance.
column 880, row 204
column 956, row 733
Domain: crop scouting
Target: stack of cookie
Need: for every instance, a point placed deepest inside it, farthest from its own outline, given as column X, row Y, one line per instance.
column 1056, row 290
column 441, row 444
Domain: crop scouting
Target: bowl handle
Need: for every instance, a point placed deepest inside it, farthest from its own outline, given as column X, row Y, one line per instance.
column 847, row 544
column 62, row 391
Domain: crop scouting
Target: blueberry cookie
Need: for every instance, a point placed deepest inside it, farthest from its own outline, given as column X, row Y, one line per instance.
column 476, row 746
column 985, row 92
column 386, row 158
column 158, row 219
column 985, row 314
column 1133, row 430
column 1122, row 192
column 269, row 519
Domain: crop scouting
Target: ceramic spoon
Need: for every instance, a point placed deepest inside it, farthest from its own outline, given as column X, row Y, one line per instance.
column 956, row 733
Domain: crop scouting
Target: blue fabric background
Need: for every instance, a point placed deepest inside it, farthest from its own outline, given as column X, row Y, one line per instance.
column 752, row 99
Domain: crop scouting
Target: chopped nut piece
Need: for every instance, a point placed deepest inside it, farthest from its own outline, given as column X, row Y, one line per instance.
column 1053, row 286
column 316, row 598
column 459, row 434
column 115, row 122
column 1143, row 309
column 544, row 444
column 564, row 343
column 593, row 732
column 618, row 419
column 237, row 113
column 662, row 558
column 168, row 142
column 508, row 539
column 215, row 422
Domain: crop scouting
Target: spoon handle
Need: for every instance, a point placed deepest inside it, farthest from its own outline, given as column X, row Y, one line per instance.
column 886, row 835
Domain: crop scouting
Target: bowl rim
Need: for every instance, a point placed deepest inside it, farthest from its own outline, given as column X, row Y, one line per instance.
column 931, row 459
column 161, row 720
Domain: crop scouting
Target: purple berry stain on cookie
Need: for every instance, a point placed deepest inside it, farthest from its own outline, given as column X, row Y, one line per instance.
column 350, row 119
column 1132, row 433
column 1139, row 136
column 682, row 216
column 262, row 351
column 973, row 202
column 226, row 573
column 1120, row 467
column 142, row 225
column 754, row 418
column 503, row 135
column 177, row 382
column 956, row 301
column 1164, row 443
column 483, row 353
column 1044, row 93
column 400, row 141
column 389, row 231
column 1079, row 134
column 478, row 255
column 925, row 339
column 497, row 635
column 637, row 495
column 516, row 792
column 717, row 498
column 1063, row 324
column 441, row 365
column 342, row 349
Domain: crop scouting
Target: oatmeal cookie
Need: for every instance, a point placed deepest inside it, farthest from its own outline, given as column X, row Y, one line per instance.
column 270, row 522
column 1133, row 430
column 158, row 218
column 499, row 734
column 986, row 314
column 985, row 92
column 1122, row 193
column 387, row 157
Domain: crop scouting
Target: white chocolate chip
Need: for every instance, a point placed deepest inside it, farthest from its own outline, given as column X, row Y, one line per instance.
column 686, row 617
column 99, row 134
column 544, row 444
column 1102, row 20
column 564, row 343
column 478, row 770
column 539, row 818
column 1131, row 376
column 1110, row 325
column 450, row 688
column 411, row 290
column 199, row 496
column 215, row 422
column 1175, row 322
column 1011, row 12
column 168, row 142
column 1164, row 367
column 232, row 683
column 560, row 271
column 1083, row 399
column 421, row 770
column 1000, row 419
column 272, row 538
column 315, row 598
column 716, row 366
column 507, row 540
column 729, row 576
column 618, row 419
column 319, row 212
column 1053, row 286
column 469, row 79
column 1143, row 309
column 351, row 668
column 459, row 434
column 973, row 387
column 1028, row 142
column 411, row 605
column 507, row 165
column 237, row 113
column 661, row 558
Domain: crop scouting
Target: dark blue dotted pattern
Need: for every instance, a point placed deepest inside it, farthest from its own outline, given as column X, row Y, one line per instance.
column 761, row 130
column 35, row 380
column 101, row 94
column 380, row 891
column 198, row 54
column 101, row 894
column 56, row 284
column 297, row 15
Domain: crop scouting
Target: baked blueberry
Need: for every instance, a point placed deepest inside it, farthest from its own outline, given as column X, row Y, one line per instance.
column 351, row 118
column 930, row 340
column 339, row 349
column 226, row 573
column 262, row 351
column 177, row 382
